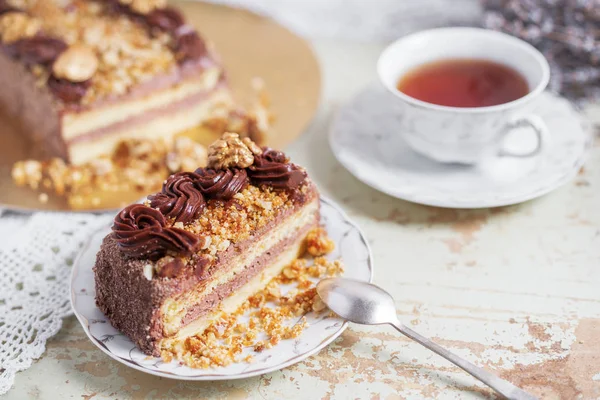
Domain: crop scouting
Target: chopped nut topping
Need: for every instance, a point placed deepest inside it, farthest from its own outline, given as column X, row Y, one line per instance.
column 206, row 242
column 178, row 225
column 290, row 273
column 35, row 4
column 77, row 64
column 44, row 8
column 229, row 152
column 18, row 25
column 148, row 271
column 228, row 223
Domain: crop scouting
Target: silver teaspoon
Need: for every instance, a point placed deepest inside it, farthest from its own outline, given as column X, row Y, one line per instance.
column 367, row 304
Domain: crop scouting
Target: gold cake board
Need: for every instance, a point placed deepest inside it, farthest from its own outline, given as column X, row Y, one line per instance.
column 250, row 46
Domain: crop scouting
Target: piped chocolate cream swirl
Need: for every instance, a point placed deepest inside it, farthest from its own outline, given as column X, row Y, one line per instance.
column 179, row 199
column 5, row 7
column 68, row 92
column 167, row 19
column 39, row 49
column 188, row 46
column 221, row 184
column 272, row 168
column 141, row 232
column 275, row 156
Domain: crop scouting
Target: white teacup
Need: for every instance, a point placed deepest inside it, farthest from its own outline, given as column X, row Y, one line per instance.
column 463, row 135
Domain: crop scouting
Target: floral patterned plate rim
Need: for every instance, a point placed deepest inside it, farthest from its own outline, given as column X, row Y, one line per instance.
column 365, row 139
column 351, row 247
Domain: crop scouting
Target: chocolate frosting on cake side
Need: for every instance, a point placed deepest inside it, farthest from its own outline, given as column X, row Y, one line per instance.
column 125, row 296
column 34, row 107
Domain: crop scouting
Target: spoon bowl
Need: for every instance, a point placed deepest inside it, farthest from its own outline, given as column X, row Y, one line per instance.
column 357, row 301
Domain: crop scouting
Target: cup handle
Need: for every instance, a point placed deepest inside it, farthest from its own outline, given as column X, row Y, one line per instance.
column 537, row 125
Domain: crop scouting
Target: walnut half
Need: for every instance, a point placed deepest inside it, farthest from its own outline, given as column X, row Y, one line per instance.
column 232, row 152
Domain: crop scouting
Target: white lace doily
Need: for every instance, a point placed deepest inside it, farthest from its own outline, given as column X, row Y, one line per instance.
column 36, row 254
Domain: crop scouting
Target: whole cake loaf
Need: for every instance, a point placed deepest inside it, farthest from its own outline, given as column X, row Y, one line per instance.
column 204, row 244
column 83, row 75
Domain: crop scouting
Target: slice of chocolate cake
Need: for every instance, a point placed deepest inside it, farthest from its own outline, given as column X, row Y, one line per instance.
column 204, row 244
column 83, row 75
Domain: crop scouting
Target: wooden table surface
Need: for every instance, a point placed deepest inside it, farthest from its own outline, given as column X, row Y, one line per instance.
column 515, row 289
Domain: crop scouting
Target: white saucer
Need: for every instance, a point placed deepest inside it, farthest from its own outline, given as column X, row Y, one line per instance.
column 365, row 139
column 351, row 247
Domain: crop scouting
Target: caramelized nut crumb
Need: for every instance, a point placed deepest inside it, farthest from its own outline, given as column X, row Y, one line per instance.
column 318, row 243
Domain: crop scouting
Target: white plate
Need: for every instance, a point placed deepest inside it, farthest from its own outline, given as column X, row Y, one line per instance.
column 365, row 139
column 351, row 247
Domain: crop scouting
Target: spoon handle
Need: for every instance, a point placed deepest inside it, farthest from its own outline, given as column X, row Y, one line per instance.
column 500, row 385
